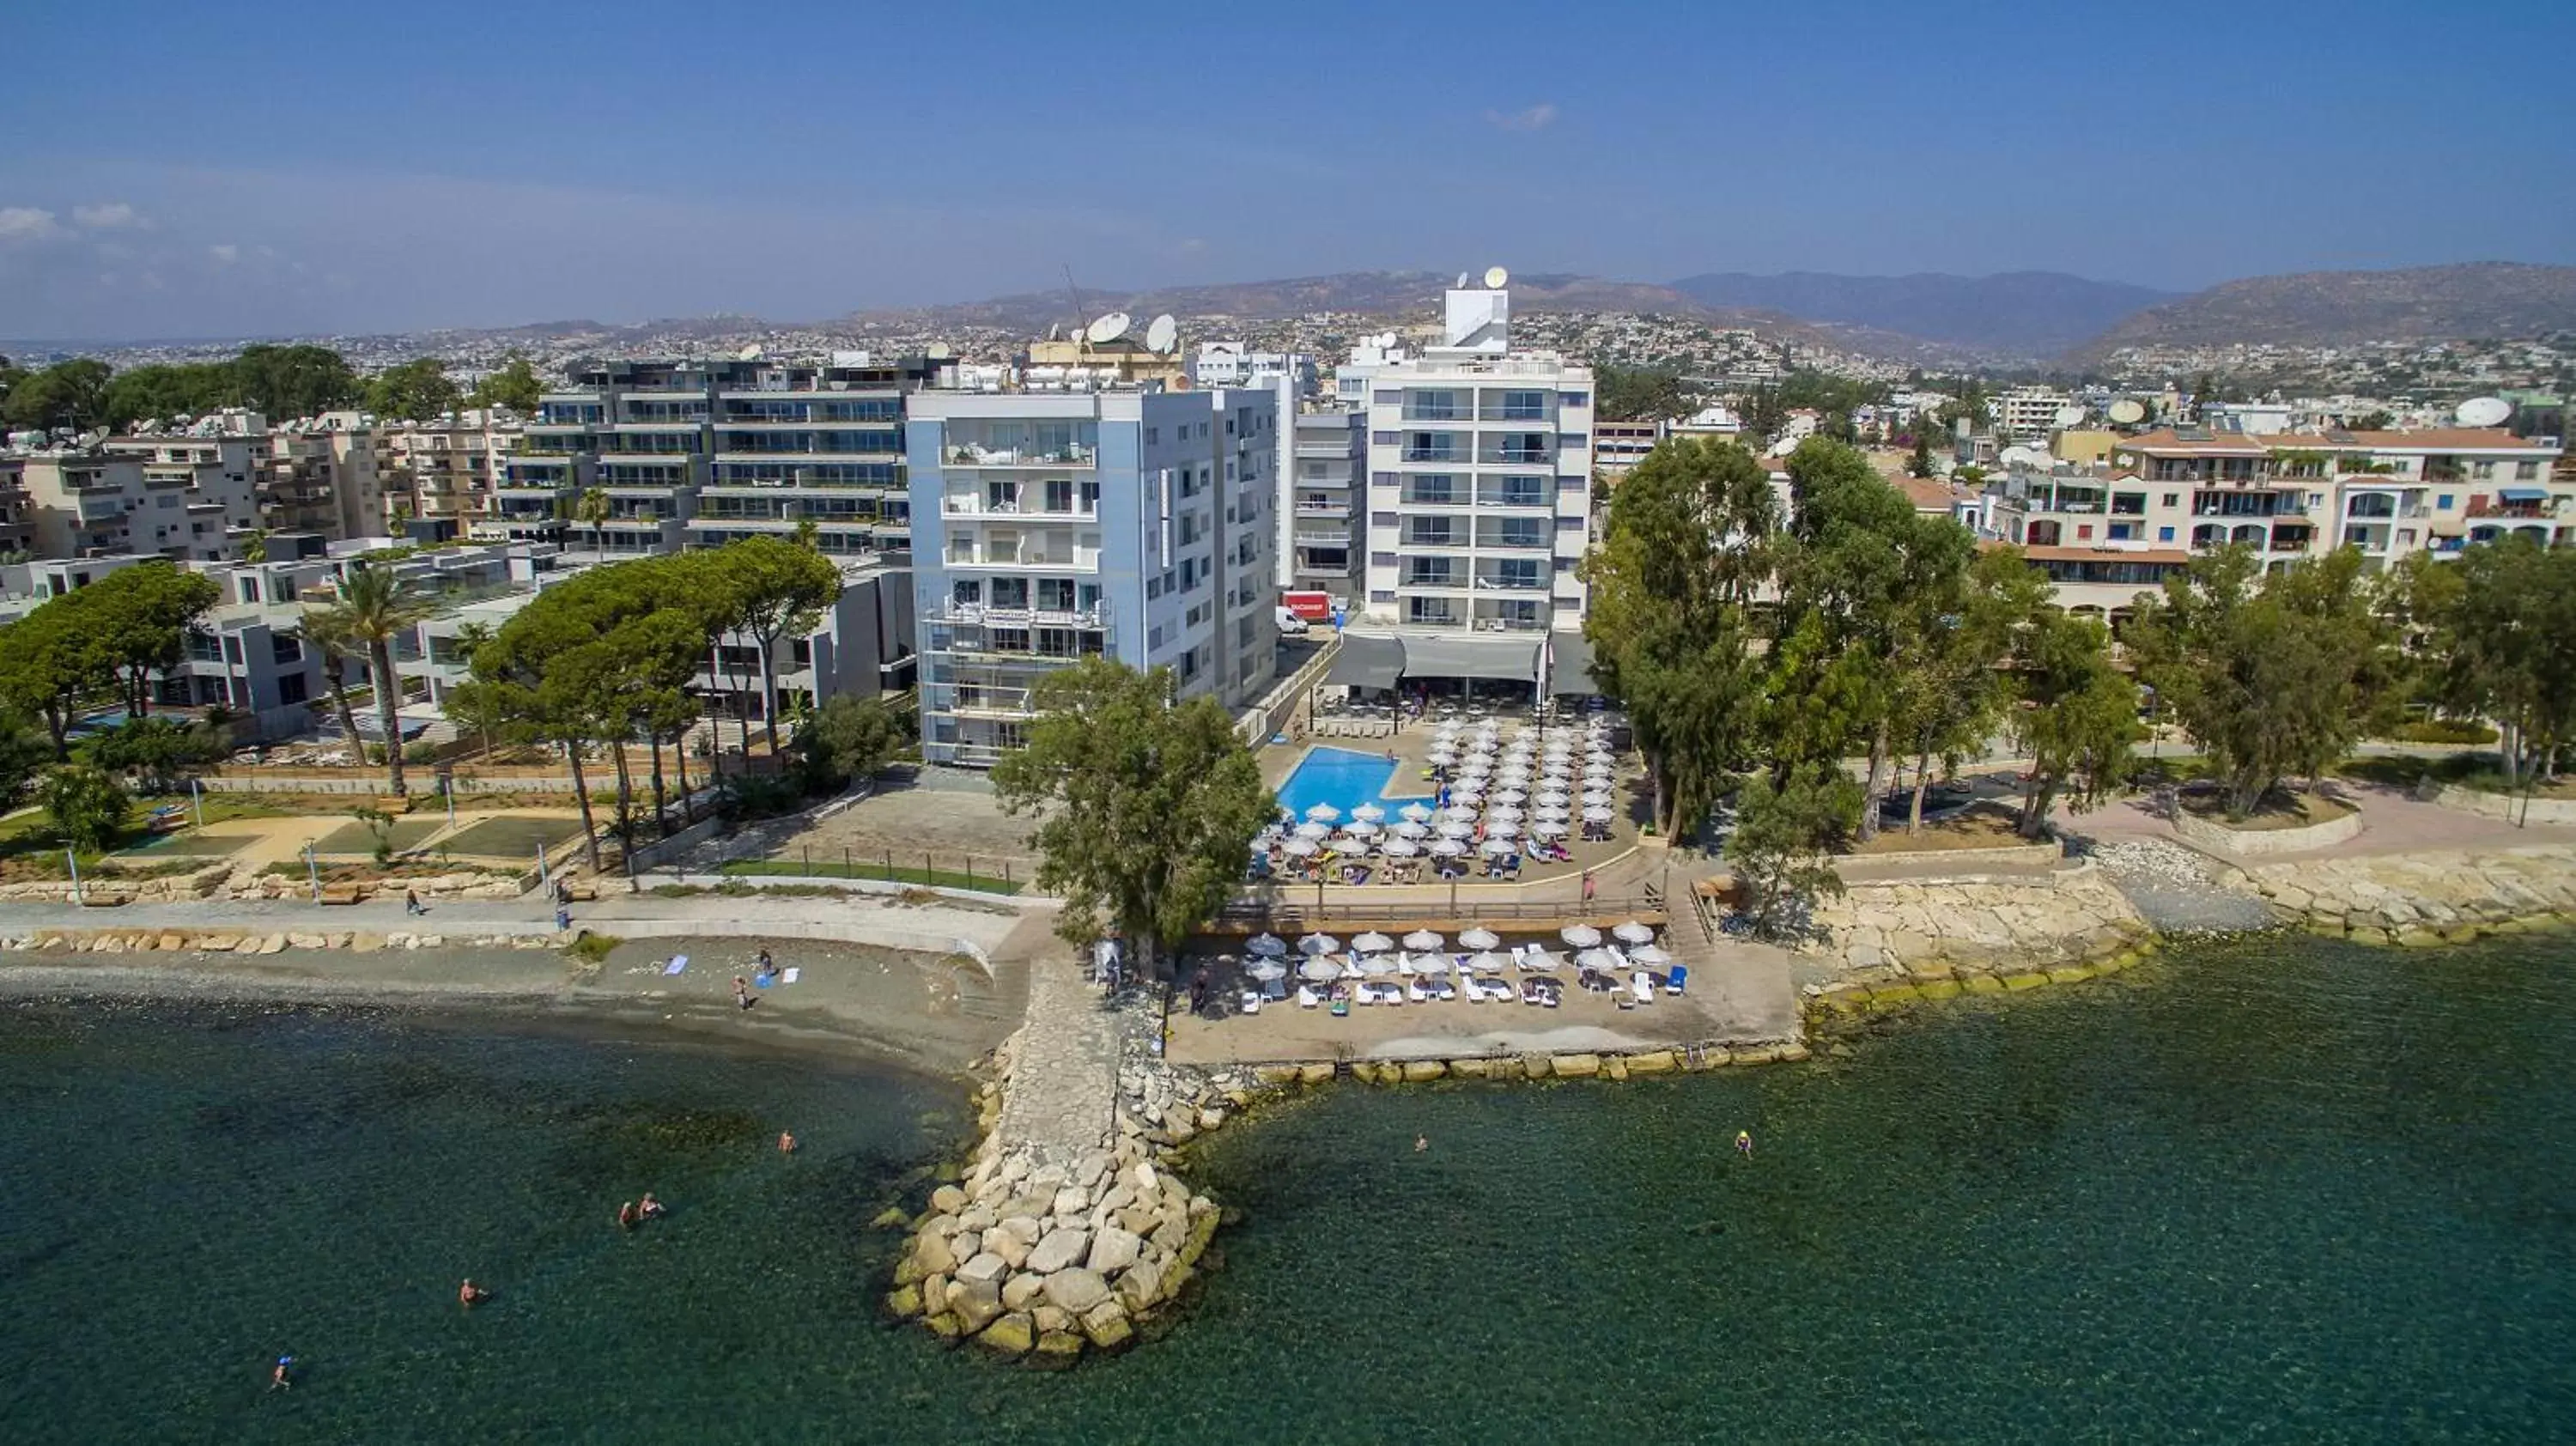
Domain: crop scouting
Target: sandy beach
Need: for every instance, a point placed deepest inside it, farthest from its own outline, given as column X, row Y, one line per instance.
column 919, row 1010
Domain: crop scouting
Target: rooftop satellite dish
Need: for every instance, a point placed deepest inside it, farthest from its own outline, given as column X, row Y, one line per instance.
column 1495, row 276
column 2128, row 411
column 2483, row 412
column 1162, row 333
column 1055, row 331
column 2068, row 417
column 1107, row 329
column 749, row 353
column 1462, row 282
column 2023, row 457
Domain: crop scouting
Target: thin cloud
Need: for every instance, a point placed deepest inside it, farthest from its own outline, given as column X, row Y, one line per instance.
column 224, row 255
column 27, row 223
column 1537, row 118
column 111, row 216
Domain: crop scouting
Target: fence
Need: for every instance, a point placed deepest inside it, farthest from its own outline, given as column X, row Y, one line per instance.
column 1278, row 709
column 983, row 873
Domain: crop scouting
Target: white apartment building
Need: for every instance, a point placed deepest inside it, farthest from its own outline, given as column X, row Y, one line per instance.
column 190, row 498
column 1618, row 446
column 1320, row 527
column 1479, row 508
column 1236, row 364
column 1136, row 524
column 445, row 469
column 2028, row 414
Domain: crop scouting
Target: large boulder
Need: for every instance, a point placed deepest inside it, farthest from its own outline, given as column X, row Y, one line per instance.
column 1021, row 1291
column 975, row 1303
column 985, row 1268
column 1106, row 1325
column 1113, row 1250
column 1011, row 1334
column 931, row 1255
column 1010, row 1247
column 1061, row 1248
column 1141, row 1288
column 1076, row 1290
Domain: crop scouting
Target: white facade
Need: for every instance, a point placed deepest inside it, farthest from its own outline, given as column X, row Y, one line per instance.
column 1479, row 499
column 1048, row 526
column 2028, row 414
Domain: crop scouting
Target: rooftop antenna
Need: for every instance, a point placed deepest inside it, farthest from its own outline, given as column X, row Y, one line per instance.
column 1462, row 282
column 1162, row 333
column 1074, row 291
column 2128, row 411
column 1496, row 277
column 1108, row 328
column 2069, row 416
column 2483, row 412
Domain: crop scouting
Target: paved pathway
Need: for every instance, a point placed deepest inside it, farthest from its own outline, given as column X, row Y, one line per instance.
column 1063, row 1096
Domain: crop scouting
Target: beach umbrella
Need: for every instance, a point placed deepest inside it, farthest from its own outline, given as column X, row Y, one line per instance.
column 1322, row 971
column 1359, row 828
column 1377, row 965
column 1597, row 798
column 1401, row 848
column 1425, row 964
column 1456, row 828
column 1550, row 798
column 1487, row 962
column 1415, row 812
column 1447, row 848
column 1633, row 932
column 1301, row 848
column 1503, row 813
column 1597, row 815
column 1649, row 954
column 1316, row 945
column 1266, row 970
column 1458, row 813
column 1368, row 813
column 1509, row 795
column 1372, row 943
column 1269, row 945
column 1601, row 959
column 1476, row 767
column 1323, row 813
column 1479, row 938
column 1541, row 959
column 1502, row 830
column 1468, row 794
column 1316, row 830
column 1554, row 812
column 1497, row 847
column 1421, row 939
column 1440, row 757
column 1410, row 829
column 1549, row 828
column 1581, row 936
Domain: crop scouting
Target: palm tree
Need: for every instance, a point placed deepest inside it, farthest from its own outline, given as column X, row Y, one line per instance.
column 322, row 629
column 592, row 510
column 374, row 609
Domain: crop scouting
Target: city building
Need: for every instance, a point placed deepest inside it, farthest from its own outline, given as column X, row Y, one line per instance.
column 638, row 457
column 1618, row 446
column 1320, row 528
column 2028, row 414
column 1479, row 507
column 446, row 468
column 1713, row 420
column 1237, row 364
column 140, row 497
column 17, row 513
column 1134, row 524
column 321, row 475
column 1125, row 360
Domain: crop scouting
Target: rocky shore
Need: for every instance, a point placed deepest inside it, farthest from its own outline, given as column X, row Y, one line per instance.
column 2418, row 900
column 1938, row 930
column 225, row 880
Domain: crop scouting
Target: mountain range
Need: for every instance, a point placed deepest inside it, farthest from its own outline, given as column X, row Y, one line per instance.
column 2492, row 300
column 2027, row 313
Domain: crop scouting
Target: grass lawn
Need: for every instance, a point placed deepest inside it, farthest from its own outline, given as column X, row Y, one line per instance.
column 516, row 837
column 360, row 838
column 189, row 844
column 929, row 878
column 1978, row 826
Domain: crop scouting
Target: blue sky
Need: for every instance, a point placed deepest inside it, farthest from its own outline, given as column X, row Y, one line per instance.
column 180, row 168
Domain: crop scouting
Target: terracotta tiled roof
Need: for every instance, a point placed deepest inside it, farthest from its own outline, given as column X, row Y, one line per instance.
column 2174, row 556
column 2239, row 444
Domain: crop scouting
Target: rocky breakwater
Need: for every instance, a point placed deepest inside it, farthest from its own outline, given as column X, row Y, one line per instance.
column 1041, row 1255
column 1934, row 931
column 2417, row 900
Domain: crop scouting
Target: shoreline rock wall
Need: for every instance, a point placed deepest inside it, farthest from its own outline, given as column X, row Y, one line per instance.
column 2417, row 900
column 1935, row 930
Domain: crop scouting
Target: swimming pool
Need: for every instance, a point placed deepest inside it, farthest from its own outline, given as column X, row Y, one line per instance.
column 1341, row 778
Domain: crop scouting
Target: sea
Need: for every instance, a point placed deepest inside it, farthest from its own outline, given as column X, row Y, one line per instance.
column 2259, row 1190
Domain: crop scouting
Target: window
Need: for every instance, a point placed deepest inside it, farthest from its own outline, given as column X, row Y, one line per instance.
column 2164, row 534
column 2526, row 471
column 2173, row 499
column 2444, row 501
column 2482, row 471
column 1153, row 436
column 2083, row 531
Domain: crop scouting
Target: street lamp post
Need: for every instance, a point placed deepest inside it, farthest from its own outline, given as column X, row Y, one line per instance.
column 313, row 873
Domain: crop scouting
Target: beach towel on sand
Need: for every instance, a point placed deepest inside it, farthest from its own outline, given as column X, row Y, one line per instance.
column 792, row 972
column 678, row 963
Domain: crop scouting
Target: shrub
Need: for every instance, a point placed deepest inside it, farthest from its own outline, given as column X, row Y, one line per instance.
column 593, row 949
column 2443, row 730
column 87, row 806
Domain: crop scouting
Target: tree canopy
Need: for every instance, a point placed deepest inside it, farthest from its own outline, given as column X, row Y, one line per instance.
column 513, row 384
column 415, row 391
column 1145, row 809
column 1639, row 394
column 2501, row 643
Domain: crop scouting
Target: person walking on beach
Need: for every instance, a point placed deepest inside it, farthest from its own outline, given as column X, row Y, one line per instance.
column 741, row 992
column 412, row 904
column 1590, row 886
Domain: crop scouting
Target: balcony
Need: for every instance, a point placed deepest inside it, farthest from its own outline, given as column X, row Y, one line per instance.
column 1517, row 456
column 971, row 506
column 1337, row 508
column 1434, row 538
column 1516, row 541
column 1515, row 497
column 1511, row 582
column 991, row 614
column 1448, row 454
column 1074, row 455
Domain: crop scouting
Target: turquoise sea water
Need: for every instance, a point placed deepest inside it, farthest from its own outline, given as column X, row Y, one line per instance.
column 1341, row 778
column 2272, row 1190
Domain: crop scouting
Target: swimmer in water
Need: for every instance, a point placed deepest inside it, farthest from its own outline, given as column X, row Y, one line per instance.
column 1421, row 1143
column 469, row 1294
column 282, row 1379
column 651, row 1209
column 626, row 1216
column 786, row 1143
column 1744, row 1143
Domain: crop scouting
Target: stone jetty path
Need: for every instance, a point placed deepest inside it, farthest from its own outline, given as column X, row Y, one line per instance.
column 1063, row 1099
